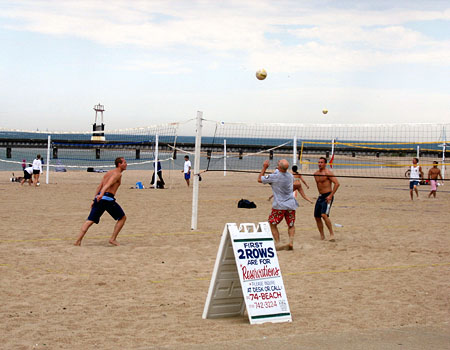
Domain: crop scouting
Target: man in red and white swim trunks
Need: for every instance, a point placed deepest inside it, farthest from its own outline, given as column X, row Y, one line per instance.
column 433, row 175
column 284, row 203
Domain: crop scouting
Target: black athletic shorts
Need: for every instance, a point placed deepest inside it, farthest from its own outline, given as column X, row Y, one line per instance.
column 322, row 207
column 111, row 206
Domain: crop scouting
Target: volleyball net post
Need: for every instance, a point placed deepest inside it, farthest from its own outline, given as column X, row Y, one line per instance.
column 224, row 157
column 49, row 145
column 294, row 151
column 195, row 187
column 155, row 164
column 443, row 160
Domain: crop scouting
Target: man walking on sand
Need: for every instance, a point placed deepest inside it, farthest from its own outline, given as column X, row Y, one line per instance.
column 324, row 179
column 414, row 178
column 104, row 200
column 433, row 174
column 187, row 169
column 284, row 203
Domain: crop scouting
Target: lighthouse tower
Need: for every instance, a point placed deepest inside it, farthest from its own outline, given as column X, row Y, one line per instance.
column 98, row 129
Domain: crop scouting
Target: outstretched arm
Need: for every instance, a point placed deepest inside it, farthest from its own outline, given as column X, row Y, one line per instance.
column 263, row 170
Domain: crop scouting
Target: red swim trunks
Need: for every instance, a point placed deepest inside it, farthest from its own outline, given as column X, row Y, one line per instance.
column 277, row 215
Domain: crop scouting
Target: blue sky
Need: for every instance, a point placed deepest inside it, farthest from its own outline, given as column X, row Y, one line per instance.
column 151, row 62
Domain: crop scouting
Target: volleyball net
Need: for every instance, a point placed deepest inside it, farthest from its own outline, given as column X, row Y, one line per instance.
column 95, row 149
column 368, row 150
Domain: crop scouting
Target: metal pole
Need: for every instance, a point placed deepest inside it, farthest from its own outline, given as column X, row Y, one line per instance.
column 198, row 145
column 418, row 151
column 443, row 161
column 294, row 155
column 156, row 162
column 224, row 157
column 332, row 147
column 48, row 159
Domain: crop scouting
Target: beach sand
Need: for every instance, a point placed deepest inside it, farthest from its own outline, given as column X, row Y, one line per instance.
column 387, row 275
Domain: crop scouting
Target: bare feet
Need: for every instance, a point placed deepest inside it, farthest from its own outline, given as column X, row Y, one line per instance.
column 282, row 247
column 77, row 243
column 290, row 247
column 322, row 237
column 332, row 240
column 113, row 242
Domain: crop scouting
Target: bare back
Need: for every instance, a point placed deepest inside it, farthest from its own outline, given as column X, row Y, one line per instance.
column 111, row 181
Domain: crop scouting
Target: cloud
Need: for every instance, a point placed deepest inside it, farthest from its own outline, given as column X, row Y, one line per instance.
column 155, row 66
column 323, row 37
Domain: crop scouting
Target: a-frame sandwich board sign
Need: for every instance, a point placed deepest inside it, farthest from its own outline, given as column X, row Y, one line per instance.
column 247, row 274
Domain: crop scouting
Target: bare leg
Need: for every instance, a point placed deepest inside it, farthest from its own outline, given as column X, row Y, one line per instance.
column 117, row 228
column 83, row 230
column 276, row 238
column 291, row 232
column 275, row 234
column 320, row 227
column 411, row 194
column 417, row 191
column 329, row 226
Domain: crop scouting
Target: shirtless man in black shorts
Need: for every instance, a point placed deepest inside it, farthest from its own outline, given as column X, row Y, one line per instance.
column 324, row 178
column 104, row 200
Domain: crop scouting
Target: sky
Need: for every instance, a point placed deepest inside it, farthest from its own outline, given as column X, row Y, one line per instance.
column 151, row 62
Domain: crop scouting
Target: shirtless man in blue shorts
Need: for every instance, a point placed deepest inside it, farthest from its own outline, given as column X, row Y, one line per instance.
column 104, row 200
column 324, row 179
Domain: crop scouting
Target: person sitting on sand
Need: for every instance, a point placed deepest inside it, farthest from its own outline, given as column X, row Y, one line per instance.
column 104, row 200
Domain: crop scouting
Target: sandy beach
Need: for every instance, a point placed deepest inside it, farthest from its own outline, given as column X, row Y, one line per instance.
column 388, row 273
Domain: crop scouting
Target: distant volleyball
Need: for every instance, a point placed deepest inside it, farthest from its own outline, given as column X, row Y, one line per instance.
column 325, row 111
column 261, row 74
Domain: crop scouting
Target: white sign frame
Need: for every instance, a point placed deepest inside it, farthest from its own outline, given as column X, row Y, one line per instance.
column 247, row 275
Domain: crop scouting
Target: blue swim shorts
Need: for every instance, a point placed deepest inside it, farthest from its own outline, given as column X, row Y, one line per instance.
column 412, row 184
column 187, row 176
column 110, row 205
column 322, row 207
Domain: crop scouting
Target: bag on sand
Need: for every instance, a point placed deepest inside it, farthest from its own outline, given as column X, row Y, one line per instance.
column 245, row 203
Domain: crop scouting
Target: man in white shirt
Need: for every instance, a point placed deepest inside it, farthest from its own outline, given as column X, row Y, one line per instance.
column 187, row 169
column 414, row 178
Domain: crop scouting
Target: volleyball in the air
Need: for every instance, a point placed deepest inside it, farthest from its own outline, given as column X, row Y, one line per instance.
column 261, row 74
column 325, row 111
